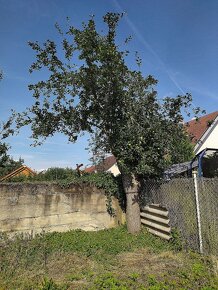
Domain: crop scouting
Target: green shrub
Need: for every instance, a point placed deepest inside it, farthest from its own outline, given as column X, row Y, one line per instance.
column 51, row 174
column 176, row 240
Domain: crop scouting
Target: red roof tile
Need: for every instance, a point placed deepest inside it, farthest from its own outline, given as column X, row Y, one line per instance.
column 90, row 169
column 196, row 128
column 108, row 162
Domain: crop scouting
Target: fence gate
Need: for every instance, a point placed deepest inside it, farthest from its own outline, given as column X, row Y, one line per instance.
column 156, row 219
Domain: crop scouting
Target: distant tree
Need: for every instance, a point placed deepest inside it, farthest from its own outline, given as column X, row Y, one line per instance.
column 3, row 153
column 56, row 173
column 7, row 163
column 100, row 93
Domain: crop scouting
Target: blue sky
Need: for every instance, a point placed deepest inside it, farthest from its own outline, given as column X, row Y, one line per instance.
column 176, row 39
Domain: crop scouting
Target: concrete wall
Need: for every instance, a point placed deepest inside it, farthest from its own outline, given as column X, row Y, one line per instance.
column 30, row 207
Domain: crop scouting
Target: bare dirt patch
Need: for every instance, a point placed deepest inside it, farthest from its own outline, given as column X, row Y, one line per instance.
column 145, row 262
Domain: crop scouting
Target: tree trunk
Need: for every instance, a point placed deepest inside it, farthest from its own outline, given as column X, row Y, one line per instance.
column 130, row 185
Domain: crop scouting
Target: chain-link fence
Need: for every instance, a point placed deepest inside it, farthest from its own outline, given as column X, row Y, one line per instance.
column 193, row 210
column 208, row 201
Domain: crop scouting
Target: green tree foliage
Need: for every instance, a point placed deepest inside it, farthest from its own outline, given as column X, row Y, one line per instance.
column 90, row 88
column 51, row 174
column 3, row 153
column 56, row 173
column 210, row 165
column 7, row 163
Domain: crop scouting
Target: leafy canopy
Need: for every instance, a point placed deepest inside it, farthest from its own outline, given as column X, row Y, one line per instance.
column 90, row 88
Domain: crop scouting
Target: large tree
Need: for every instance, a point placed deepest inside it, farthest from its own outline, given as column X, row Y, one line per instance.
column 91, row 88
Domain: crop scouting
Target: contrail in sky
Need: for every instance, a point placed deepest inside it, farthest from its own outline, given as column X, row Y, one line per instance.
column 148, row 47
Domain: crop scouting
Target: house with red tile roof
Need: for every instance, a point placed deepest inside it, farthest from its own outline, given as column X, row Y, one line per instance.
column 204, row 132
column 109, row 164
column 204, row 136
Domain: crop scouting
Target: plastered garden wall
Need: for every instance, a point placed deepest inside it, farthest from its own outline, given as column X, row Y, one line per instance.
column 33, row 208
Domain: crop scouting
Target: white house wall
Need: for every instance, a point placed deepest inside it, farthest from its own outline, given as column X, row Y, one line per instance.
column 209, row 140
column 114, row 170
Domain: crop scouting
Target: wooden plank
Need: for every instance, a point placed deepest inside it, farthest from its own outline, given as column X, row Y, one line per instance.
column 163, row 219
column 164, row 228
column 158, row 206
column 155, row 218
column 156, row 210
column 159, row 234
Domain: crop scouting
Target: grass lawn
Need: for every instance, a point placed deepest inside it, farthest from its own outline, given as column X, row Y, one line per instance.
column 108, row 259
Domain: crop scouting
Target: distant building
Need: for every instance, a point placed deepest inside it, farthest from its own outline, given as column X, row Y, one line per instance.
column 204, row 136
column 22, row 170
column 109, row 164
column 204, row 132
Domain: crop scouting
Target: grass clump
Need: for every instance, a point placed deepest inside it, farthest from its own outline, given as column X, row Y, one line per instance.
column 103, row 244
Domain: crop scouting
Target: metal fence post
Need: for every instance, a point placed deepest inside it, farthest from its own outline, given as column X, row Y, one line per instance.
column 198, row 211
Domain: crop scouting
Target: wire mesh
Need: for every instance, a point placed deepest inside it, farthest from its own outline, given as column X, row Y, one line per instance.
column 208, row 200
column 178, row 196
